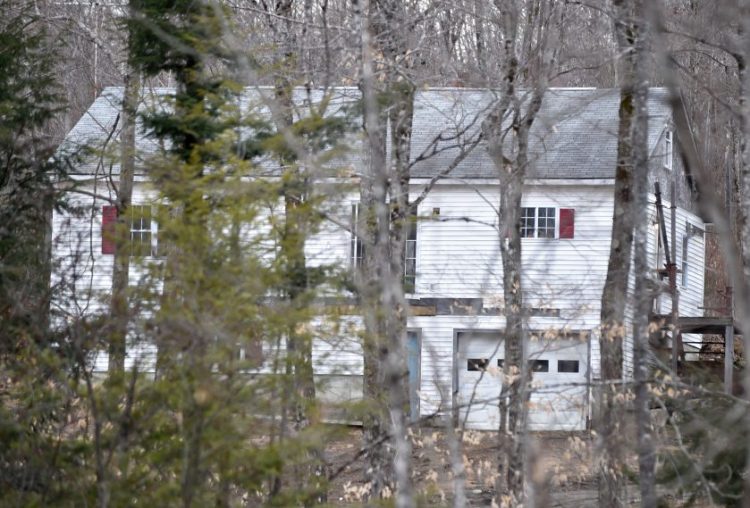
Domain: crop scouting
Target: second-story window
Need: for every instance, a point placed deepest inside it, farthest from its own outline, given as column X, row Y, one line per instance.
column 410, row 255
column 668, row 149
column 142, row 231
column 356, row 246
column 528, row 222
column 685, row 266
column 538, row 222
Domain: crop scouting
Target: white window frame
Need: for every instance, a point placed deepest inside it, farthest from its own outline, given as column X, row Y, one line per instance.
column 152, row 229
column 684, row 263
column 357, row 249
column 356, row 246
column 668, row 149
column 412, row 236
column 537, row 219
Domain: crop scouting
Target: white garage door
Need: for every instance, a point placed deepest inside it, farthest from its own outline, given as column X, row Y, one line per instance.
column 559, row 397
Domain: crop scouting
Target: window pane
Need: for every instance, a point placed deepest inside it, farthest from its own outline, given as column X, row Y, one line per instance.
column 475, row 364
column 410, row 255
column 353, row 252
column 539, row 365
column 668, row 150
column 528, row 217
column 141, row 243
column 567, row 366
column 140, row 230
column 358, row 249
column 546, row 223
column 409, row 283
column 410, row 267
column 411, row 233
column 145, row 217
column 684, row 266
column 411, row 249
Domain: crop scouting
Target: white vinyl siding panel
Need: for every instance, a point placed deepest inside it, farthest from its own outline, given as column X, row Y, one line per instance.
column 457, row 256
column 84, row 273
column 459, row 253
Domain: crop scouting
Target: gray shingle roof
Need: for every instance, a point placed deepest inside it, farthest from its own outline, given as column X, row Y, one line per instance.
column 573, row 137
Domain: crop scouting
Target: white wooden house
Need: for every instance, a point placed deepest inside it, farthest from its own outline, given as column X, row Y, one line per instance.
column 455, row 343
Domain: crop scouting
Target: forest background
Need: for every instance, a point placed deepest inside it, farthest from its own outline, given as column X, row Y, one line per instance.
column 201, row 432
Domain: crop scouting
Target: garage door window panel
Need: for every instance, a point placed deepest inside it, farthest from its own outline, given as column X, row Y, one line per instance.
column 539, row 365
column 477, row 364
column 568, row 366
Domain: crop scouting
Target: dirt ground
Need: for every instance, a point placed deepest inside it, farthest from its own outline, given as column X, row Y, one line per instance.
column 563, row 469
column 562, row 463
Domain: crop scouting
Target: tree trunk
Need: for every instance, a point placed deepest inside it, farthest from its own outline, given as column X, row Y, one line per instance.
column 642, row 296
column 372, row 200
column 295, row 192
column 742, row 288
column 394, row 302
column 514, row 114
column 511, row 173
column 381, row 286
column 608, row 417
column 119, row 311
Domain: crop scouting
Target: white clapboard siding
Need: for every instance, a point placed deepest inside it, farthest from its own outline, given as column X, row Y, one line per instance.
column 81, row 270
column 85, row 274
column 691, row 295
column 82, row 273
column 458, row 251
column 437, row 356
column 457, row 256
column 331, row 243
column 337, row 346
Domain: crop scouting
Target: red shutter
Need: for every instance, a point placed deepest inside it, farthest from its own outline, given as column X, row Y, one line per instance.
column 109, row 223
column 567, row 222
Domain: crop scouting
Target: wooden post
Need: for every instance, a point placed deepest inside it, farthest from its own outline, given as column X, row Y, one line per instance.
column 728, row 357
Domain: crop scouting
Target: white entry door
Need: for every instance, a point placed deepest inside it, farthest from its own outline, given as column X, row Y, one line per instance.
column 559, row 391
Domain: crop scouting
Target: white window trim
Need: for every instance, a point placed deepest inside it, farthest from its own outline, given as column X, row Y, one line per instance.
column 154, row 228
column 355, row 242
column 415, row 225
column 668, row 149
column 556, row 216
column 684, row 260
column 356, row 245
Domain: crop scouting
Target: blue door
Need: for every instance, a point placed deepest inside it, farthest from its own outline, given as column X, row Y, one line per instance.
column 413, row 359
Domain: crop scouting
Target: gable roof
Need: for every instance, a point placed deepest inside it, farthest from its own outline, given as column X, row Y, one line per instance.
column 573, row 137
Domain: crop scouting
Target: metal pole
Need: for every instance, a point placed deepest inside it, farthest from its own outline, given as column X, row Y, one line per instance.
column 729, row 330
column 662, row 225
column 729, row 357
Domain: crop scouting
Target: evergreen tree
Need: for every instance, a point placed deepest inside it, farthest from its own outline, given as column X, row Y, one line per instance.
column 193, row 434
column 35, row 400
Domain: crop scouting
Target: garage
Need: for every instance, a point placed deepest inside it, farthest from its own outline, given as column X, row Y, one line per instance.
column 559, row 400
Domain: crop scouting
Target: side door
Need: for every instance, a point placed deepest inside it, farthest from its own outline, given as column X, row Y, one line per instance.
column 413, row 362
